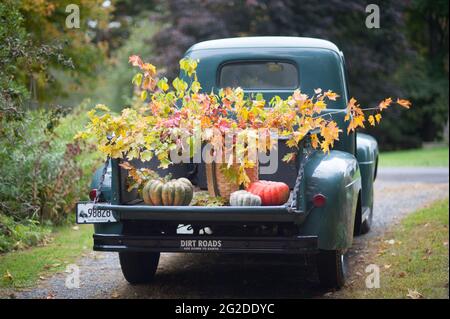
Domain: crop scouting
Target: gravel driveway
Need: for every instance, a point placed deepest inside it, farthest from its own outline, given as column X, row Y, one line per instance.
column 398, row 192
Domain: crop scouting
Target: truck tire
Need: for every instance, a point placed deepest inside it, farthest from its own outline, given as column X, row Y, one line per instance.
column 332, row 268
column 138, row 267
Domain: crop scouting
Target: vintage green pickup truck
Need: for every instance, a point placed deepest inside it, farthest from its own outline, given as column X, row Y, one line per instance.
column 331, row 194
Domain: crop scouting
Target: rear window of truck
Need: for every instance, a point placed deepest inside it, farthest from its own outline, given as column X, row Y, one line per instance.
column 259, row 75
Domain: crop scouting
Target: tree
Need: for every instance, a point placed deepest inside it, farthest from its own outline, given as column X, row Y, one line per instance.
column 381, row 62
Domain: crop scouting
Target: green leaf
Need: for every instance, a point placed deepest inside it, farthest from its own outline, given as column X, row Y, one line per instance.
column 289, row 157
column 180, row 86
column 137, row 79
column 164, row 163
column 195, row 87
column 162, row 84
column 143, row 95
column 146, row 155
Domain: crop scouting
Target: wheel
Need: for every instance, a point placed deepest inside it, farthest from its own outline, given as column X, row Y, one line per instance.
column 332, row 268
column 138, row 267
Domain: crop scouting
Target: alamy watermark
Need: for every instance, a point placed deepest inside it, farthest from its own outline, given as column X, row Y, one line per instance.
column 233, row 147
column 373, row 279
column 73, row 17
column 73, row 276
column 373, row 19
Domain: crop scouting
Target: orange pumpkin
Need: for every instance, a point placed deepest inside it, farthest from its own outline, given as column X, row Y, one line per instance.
column 271, row 193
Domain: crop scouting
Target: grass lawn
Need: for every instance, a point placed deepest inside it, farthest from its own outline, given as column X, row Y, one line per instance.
column 436, row 156
column 24, row 268
column 413, row 258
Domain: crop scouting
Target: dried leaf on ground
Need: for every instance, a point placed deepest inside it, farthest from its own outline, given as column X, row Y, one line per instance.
column 414, row 294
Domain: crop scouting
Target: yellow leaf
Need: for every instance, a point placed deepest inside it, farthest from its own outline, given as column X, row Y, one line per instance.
column 314, row 141
column 371, row 120
column 143, row 95
column 7, row 276
column 102, row 107
column 162, row 84
column 137, row 79
column 378, row 117
column 195, row 86
column 289, row 157
column 149, row 68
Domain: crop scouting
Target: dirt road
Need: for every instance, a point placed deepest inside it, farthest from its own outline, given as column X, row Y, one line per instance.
column 397, row 193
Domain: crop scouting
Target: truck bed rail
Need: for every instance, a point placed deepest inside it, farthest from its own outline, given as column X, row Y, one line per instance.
column 203, row 213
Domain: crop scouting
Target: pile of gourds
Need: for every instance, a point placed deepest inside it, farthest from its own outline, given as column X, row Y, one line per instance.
column 179, row 192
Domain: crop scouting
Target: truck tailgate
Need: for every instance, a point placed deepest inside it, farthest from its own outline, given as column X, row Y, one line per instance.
column 280, row 213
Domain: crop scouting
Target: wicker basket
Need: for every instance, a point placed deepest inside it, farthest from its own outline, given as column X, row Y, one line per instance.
column 218, row 185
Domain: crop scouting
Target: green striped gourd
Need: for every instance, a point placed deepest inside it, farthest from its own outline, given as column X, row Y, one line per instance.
column 176, row 192
column 244, row 198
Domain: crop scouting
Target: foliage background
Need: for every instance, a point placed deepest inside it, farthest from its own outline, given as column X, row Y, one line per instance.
column 47, row 71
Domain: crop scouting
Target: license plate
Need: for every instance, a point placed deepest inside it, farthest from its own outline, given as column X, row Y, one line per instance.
column 88, row 214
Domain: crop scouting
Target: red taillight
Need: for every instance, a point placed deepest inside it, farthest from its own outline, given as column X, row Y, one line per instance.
column 319, row 200
column 93, row 194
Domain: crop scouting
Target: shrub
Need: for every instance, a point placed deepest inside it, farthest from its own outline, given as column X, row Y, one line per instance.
column 43, row 171
column 18, row 235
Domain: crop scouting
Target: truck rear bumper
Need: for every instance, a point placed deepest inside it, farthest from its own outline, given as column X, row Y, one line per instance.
column 204, row 244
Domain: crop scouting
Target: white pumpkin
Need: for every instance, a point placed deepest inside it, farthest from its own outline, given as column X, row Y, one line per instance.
column 244, row 198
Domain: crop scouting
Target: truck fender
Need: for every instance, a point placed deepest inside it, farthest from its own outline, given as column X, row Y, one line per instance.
column 106, row 188
column 335, row 175
column 367, row 155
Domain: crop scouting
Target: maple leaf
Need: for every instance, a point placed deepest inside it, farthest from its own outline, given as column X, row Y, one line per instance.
column 414, row 294
column 329, row 133
column 126, row 165
column 385, row 104
column 331, row 95
column 7, row 276
column 289, row 157
column 149, row 68
column 314, row 141
column 371, row 120
column 405, row 103
column 149, row 83
column 162, row 84
column 378, row 117
column 135, row 60
column 352, row 103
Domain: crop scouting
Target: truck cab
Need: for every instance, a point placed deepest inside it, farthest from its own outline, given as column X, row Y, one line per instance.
column 331, row 194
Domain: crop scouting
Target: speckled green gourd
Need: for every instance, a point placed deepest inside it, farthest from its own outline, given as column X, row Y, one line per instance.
column 176, row 192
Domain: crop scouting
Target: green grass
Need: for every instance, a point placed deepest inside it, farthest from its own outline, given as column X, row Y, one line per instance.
column 21, row 269
column 416, row 259
column 436, row 156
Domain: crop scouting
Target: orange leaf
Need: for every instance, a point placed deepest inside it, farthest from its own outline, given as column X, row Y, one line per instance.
column 385, row 104
column 331, row 95
column 135, row 60
column 405, row 103
column 126, row 165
